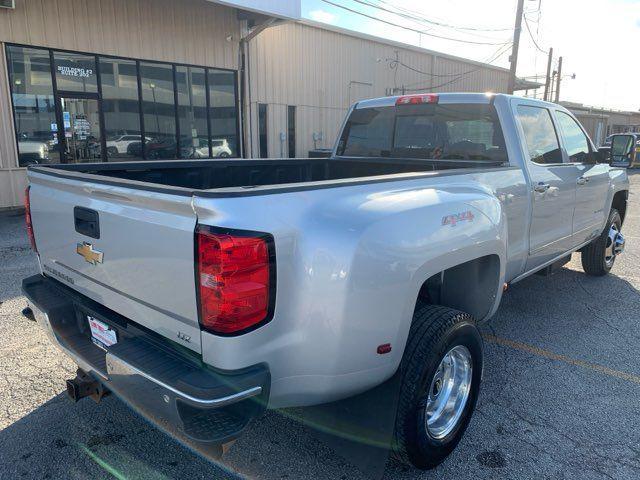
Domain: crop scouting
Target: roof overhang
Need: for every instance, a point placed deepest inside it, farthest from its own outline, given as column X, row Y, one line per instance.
column 522, row 84
column 286, row 9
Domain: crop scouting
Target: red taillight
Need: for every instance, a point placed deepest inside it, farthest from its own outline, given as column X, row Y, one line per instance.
column 235, row 279
column 27, row 217
column 417, row 99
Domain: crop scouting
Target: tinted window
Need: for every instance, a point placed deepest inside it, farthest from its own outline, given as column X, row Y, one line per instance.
column 540, row 135
column 121, row 107
column 441, row 132
column 158, row 106
column 192, row 112
column 33, row 104
column 369, row 132
column 262, row 128
column 223, row 112
column 75, row 72
column 291, row 130
column 575, row 141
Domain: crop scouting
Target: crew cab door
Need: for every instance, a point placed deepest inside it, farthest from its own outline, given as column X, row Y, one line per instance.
column 553, row 185
column 591, row 178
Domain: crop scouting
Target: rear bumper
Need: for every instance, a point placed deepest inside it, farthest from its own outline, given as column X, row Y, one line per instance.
column 170, row 387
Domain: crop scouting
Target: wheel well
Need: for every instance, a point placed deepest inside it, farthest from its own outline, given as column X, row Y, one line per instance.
column 620, row 203
column 470, row 287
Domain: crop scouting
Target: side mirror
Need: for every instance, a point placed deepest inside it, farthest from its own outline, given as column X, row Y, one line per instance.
column 623, row 149
column 603, row 155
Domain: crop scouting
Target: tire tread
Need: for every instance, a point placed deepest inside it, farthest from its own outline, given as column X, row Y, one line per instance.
column 592, row 256
column 430, row 323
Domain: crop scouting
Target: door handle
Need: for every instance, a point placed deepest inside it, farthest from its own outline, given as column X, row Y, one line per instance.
column 583, row 180
column 541, row 187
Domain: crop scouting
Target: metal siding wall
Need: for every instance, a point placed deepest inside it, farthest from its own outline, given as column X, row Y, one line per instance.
column 188, row 31
column 12, row 180
column 311, row 68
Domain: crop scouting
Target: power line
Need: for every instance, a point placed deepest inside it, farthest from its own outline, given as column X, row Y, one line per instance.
column 423, row 32
column 415, row 16
column 393, row 62
column 526, row 23
column 501, row 51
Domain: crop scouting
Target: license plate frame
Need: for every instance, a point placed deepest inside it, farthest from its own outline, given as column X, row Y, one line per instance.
column 102, row 335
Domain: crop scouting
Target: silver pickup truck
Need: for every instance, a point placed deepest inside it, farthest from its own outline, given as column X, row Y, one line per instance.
column 203, row 292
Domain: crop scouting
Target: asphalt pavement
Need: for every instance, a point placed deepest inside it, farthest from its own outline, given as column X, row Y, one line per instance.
column 560, row 396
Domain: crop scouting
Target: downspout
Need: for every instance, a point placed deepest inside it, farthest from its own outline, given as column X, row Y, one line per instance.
column 248, row 34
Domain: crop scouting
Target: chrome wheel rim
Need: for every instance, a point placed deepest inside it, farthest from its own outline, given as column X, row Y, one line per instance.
column 614, row 246
column 449, row 392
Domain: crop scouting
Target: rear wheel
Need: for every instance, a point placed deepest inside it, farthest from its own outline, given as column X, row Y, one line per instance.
column 599, row 256
column 441, row 371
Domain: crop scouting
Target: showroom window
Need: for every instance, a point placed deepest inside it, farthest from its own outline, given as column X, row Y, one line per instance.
column 75, row 72
column 76, row 107
column 121, row 109
column 192, row 111
column 34, row 108
column 158, row 107
column 223, row 113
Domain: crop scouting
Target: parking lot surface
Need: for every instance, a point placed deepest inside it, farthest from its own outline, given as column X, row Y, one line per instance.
column 560, row 396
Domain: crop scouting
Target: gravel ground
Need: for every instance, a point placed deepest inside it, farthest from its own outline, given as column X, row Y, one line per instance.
column 559, row 399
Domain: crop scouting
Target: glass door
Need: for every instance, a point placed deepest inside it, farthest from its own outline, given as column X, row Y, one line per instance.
column 82, row 129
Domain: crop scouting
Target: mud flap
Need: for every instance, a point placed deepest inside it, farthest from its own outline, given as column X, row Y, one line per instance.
column 359, row 429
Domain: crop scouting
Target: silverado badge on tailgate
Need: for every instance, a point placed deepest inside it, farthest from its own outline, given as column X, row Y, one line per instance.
column 90, row 255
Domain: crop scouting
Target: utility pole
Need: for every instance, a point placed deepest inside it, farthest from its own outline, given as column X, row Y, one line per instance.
column 515, row 47
column 558, row 80
column 547, row 85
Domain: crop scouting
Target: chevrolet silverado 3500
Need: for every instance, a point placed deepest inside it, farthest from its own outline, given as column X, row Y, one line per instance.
column 203, row 292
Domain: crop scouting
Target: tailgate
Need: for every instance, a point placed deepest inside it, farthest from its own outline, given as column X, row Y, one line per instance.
column 142, row 263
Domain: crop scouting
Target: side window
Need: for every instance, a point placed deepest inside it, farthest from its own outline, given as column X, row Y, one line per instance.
column 540, row 135
column 575, row 141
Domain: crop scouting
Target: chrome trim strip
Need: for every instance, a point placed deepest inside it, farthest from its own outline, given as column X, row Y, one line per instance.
column 43, row 320
column 215, row 402
column 110, row 359
column 83, row 364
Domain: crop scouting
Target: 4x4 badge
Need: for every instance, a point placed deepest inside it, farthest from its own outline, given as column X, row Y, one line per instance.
column 88, row 253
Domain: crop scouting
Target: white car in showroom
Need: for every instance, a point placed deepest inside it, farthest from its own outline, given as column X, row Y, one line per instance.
column 219, row 149
column 118, row 145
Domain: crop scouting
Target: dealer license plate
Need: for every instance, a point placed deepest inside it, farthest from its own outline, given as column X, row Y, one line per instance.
column 101, row 334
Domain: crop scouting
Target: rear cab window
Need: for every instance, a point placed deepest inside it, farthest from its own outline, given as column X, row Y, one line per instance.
column 469, row 133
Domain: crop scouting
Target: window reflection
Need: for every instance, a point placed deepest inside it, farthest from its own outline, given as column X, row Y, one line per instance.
column 223, row 113
column 192, row 112
column 195, row 118
column 75, row 72
column 34, row 106
column 158, row 107
column 121, row 108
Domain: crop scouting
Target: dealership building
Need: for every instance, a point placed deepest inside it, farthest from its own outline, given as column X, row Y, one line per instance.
column 126, row 80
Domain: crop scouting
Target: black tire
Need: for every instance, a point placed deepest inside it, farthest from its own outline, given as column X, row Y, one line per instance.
column 593, row 255
column 434, row 332
column 112, row 151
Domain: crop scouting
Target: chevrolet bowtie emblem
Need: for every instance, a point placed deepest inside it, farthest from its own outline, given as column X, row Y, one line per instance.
column 88, row 253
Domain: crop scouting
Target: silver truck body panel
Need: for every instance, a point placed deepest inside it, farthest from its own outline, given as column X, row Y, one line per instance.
column 351, row 255
column 147, row 241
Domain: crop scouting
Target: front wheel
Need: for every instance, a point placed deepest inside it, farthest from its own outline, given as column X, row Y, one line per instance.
column 441, row 371
column 599, row 256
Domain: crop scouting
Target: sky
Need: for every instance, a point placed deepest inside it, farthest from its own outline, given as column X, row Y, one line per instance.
column 599, row 40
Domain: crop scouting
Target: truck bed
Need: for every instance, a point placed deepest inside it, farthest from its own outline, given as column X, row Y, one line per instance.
column 217, row 174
